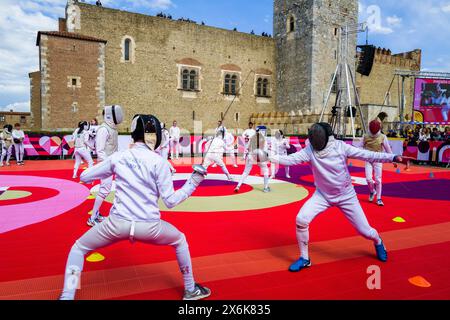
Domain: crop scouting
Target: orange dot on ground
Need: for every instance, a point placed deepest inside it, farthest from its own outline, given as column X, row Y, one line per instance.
column 95, row 257
column 419, row 281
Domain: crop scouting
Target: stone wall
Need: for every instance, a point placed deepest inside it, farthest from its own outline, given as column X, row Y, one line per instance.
column 64, row 103
column 35, row 100
column 24, row 118
column 149, row 82
column 374, row 88
column 293, row 54
column 307, row 57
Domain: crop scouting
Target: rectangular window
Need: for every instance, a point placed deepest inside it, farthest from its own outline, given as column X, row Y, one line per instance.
column 74, row 82
column 2, row 119
column 75, row 107
column 23, row 119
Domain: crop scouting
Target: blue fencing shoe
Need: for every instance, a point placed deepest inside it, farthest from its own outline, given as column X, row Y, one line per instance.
column 299, row 265
column 381, row 252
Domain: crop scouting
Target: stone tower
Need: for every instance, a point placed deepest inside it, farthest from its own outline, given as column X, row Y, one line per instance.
column 306, row 34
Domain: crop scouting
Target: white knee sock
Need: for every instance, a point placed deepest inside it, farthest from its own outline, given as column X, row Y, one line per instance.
column 303, row 241
column 97, row 204
column 371, row 186
column 185, row 264
column 72, row 277
column 378, row 188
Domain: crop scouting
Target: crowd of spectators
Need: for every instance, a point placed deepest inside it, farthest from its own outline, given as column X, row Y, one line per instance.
column 423, row 133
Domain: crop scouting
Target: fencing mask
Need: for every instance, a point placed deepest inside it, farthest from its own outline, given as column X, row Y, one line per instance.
column 83, row 126
column 279, row 135
column 375, row 127
column 113, row 115
column 8, row 128
column 220, row 133
column 319, row 134
column 147, row 128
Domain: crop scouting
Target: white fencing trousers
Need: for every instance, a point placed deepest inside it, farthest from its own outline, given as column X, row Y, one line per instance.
column 377, row 170
column 6, row 152
column 19, row 149
column 175, row 148
column 103, row 192
column 275, row 167
column 249, row 162
column 231, row 152
column 317, row 204
column 81, row 154
column 115, row 229
column 211, row 159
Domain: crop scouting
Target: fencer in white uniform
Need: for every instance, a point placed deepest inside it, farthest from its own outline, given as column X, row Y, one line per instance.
column 93, row 127
column 175, row 135
column 221, row 127
column 278, row 147
column 377, row 142
column 18, row 137
column 214, row 155
column 247, row 135
column 230, row 150
column 142, row 177
column 328, row 160
column 163, row 149
column 256, row 142
column 106, row 143
column 82, row 147
column 6, row 144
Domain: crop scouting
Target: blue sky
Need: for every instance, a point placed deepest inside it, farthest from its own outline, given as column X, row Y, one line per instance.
column 400, row 25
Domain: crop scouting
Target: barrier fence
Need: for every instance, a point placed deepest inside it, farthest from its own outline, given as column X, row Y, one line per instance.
column 62, row 146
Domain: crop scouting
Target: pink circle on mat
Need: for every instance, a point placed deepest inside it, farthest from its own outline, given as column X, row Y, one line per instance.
column 16, row 216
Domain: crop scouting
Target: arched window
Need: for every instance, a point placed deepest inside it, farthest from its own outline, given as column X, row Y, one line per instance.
column 189, row 79
column 259, row 87
column 193, row 80
column 185, row 79
column 230, row 84
column 262, row 87
column 126, row 49
column 291, row 24
column 265, row 87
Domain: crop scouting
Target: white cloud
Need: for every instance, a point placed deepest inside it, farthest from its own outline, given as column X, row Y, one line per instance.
column 379, row 29
column 446, row 8
column 394, row 21
column 17, row 107
column 19, row 23
column 160, row 4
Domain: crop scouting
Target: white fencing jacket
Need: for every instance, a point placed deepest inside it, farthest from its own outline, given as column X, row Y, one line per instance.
column 142, row 177
column 329, row 167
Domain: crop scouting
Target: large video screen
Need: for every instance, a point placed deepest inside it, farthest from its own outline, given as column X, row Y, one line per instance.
column 432, row 99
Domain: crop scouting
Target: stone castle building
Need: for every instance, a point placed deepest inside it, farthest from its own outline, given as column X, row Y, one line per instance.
column 190, row 72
